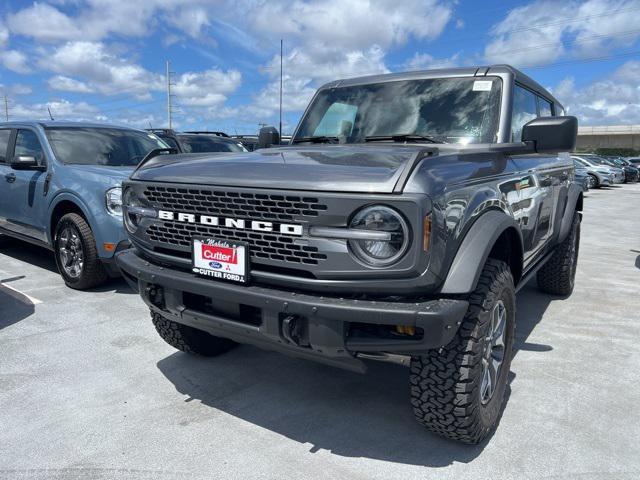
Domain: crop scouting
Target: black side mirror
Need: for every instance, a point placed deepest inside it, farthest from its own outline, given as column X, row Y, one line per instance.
column 268, row 136
column 551, row 134
column 24, row 162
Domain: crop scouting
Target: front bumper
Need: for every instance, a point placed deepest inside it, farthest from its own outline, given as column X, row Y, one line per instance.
column 258, row 315
column 618, row 177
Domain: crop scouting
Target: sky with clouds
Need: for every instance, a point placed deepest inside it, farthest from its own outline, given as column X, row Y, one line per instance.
column 105, row 60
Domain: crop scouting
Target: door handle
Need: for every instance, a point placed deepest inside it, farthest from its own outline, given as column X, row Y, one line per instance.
column 10, row 177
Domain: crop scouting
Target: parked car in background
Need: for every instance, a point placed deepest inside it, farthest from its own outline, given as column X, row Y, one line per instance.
column 60, row 188
column 582, row 175
column 635, row 161
column 199, row 142
column 599, row 175
column 249, row 142
column 630, row 173
column 617, row 174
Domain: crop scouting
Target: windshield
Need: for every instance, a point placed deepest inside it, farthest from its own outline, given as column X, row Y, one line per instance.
column 452, row 110
column 114, row 147
column 208, row 143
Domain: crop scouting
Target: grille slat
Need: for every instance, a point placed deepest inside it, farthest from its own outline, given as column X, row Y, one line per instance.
column 262, row 246
column 242, row 205
column 255, row 206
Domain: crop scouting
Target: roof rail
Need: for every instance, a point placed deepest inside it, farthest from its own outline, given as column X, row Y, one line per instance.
column 219, row 134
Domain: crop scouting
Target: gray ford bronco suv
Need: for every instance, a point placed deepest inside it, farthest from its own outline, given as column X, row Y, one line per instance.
column 398, row 225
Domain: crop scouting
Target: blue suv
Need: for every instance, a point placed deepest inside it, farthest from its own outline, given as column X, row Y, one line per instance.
column 60, row 188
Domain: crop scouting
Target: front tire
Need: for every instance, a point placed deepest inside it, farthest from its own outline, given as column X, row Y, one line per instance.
column 458, row 391
column 189, row 339
column 557, row 276
column 76, row 253
column 593, row 181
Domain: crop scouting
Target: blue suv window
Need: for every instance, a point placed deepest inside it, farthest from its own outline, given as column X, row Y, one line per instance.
column 4, row 144
column 27, row 144
column 101, row 146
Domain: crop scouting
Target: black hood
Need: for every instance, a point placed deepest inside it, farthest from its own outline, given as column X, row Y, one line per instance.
column 338, row 168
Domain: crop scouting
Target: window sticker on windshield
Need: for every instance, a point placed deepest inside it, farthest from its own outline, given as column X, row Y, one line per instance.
column 482, row 85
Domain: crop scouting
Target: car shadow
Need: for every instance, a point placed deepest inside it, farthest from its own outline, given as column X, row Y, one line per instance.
column 531, row 304
column 14, row 306
column 43, row 258
column 349, row 414
column 29, row 253
column 346, row 413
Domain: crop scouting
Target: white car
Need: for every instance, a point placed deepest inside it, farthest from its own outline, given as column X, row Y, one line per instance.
column 600, row 175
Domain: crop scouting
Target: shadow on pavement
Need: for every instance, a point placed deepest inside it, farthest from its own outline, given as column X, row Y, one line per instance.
column 14, row 306
column 29, row 253
column 346, row 413
column 43, row 258
column 349, row 414
column 531, row 304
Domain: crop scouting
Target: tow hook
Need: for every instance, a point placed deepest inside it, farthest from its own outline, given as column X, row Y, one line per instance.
column 294, row 330
column 155, row 294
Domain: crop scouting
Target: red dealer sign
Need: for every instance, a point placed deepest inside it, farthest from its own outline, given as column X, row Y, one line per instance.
column 219, row 254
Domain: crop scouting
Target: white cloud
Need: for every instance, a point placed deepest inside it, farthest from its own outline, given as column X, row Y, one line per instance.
column 332, row 39
column 351, row 24
column 100, row 70
column 67, row 84
column 545, row 30
column 424, row 61
column 614, row 100
column 191, row 20
column 44, row 22
column 60, row 109
column 4, row 36
column 206, row 88
column 15, row 61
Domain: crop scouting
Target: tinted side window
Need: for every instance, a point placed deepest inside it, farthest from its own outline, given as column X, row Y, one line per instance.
column 544, row 108
column 4, row 144
column 27, row 143
column 524, row 110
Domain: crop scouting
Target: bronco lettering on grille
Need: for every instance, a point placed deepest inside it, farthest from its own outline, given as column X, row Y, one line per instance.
column 257, row 225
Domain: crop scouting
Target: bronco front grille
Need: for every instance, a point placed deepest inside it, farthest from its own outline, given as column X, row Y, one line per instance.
column 258, row 206
column 262, row 245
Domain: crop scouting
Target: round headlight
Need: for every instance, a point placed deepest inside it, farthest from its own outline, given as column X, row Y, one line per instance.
column 380, row 253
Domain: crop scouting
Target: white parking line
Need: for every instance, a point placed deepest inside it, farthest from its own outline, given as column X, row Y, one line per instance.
column 20, row 296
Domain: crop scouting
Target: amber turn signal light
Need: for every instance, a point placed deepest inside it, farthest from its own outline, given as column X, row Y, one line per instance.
column 426, row 233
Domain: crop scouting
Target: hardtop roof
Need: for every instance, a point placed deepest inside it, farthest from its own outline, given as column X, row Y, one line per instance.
column 475, row 71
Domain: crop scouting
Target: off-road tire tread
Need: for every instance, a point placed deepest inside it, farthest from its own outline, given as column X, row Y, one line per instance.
column 555, row 277
column 93, row 271
column 188, row 339
column 445, row 383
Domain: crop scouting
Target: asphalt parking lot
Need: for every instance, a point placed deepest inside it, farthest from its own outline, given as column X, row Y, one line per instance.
column 88, row 390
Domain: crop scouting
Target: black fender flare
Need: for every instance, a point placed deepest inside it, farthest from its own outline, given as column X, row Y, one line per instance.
column 474, row 250
column 574, row 203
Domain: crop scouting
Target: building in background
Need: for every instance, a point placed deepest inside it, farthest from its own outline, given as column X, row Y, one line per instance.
column 616, row 140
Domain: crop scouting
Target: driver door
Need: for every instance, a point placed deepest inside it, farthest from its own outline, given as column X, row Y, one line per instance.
column 23, row 200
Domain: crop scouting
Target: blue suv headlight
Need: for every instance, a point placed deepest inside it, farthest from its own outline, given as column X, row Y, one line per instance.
column 113, row 201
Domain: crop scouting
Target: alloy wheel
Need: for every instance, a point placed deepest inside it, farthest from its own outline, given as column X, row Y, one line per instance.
column 494, row 350
column 70, row 252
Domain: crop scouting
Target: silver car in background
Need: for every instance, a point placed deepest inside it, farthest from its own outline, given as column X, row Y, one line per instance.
column 600, row 175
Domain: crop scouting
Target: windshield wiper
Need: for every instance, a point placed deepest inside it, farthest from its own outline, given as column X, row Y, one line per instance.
column 403, row 137
column 316, row 139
